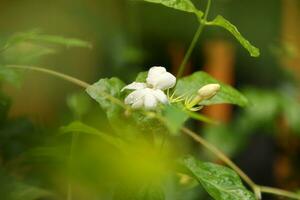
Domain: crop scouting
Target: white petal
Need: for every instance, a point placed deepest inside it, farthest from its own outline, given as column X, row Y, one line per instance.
column 159, row 78
column 134, row 86
column 138, row 104
column 165, row 81
column 160, row 96
column 134, row 96
column 154, row 73
column 150, row 102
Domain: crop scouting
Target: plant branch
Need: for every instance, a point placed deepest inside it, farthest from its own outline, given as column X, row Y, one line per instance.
column 69, row 79
column 220, row 155
column 280, row 192
column 194, row 41
column 54, row 73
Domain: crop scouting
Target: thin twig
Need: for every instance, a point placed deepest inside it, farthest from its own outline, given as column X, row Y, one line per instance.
column 220, row 155
column 194, row 41
column 70, row 79
column 55, row 73
column 280, row 192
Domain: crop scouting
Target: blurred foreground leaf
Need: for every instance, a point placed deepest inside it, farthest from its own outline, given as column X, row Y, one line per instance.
column 11, row 189
column 222, row 22
column 220, row 182
column 188, row 86
column 83, row 128
column 140, row 192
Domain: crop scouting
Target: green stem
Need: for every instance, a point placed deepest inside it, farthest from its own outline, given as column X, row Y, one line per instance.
column 220, row 155
column 194, row 41
column 69, row 79
column 54, row 73
column 280, row 192
column 71, row 156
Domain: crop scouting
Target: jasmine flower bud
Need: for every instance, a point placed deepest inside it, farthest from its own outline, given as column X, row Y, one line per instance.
column 204, row 93
column 208, row 91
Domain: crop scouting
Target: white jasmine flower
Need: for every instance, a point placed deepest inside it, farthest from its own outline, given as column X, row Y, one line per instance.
column 149, row 94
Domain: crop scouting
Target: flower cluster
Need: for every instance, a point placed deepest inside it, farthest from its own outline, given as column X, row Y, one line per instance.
column 149, row 94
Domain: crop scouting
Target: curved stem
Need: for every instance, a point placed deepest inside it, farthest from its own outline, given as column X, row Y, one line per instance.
column 194, row 42
column 190, row 50
column 51, row 72
column 207, row 10
column 220, row 155
column 70, row 79
column 280, row 192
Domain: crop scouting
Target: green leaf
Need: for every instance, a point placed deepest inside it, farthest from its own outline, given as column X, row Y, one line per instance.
column 83, row 128
column 221, row 21
column 26, row 53
column 102, row 90
column 175, row 118
column 188, row 86
column 36, row 36
column 183, row 5
column 220, row 182
column 69, row 42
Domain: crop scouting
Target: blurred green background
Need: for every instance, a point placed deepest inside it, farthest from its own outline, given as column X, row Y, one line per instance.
column 127, row 37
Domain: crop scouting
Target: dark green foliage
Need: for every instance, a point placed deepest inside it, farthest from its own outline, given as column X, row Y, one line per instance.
column 12, row 189
column 220, row 182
